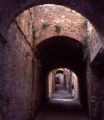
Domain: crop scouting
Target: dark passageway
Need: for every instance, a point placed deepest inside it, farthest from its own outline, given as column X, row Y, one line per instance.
column 62, row 111
column 29, row 52
column 61, row 51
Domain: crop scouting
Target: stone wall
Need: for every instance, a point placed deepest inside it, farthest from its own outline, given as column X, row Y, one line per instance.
column 18, row 77
column 17, row 71
column 19, row 91
column 21, row 72
column 75, row 90
column 14, row 7
column 93, row 37
column 94, row 75
column 2, row 82
column 50, row 85
column 23, row 88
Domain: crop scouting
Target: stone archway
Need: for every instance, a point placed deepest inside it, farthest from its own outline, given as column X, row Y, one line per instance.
column 14, row 8
column 91, row 12
column 61, row 51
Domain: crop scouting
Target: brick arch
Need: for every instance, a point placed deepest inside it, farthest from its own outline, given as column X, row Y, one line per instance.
column 61, row 42
column 70, row 35
column 63, row 52
column 14, row 8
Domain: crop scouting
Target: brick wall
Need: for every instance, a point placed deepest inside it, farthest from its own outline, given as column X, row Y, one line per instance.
column 95, row 77
column 17, row 70
column 52, row 20
column 16, row 64
column 2, row 82
column 18, row 75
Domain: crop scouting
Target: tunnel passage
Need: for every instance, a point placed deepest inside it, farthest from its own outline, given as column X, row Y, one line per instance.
column 63, row 85
column 61, row 51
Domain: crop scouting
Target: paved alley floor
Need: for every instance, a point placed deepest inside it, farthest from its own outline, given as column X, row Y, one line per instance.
column 62, row 109
column 62, row 94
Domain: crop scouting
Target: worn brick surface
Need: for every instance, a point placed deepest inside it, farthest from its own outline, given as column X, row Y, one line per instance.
column 2, row 82
column 16, row 55
column 94, row 76
column 17, row 74
column 93, row 37
column 13, row 8
column 51, row 20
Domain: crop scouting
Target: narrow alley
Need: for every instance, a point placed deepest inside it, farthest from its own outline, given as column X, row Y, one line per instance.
column 62, row 109
column 51, row 60
column 63, row 103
